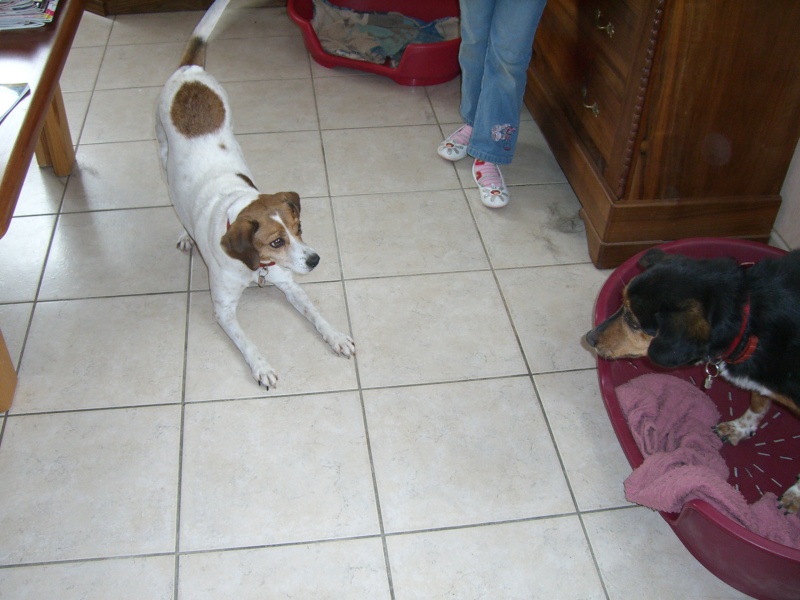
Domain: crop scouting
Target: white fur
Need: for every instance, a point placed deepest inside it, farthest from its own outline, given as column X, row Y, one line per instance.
column 206, row 192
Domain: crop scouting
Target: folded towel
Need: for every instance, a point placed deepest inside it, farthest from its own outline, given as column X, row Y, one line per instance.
column 375, row 37
column 671, row 421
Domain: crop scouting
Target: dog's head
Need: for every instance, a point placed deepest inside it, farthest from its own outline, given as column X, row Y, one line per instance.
column 666, row 311
column 268, row 231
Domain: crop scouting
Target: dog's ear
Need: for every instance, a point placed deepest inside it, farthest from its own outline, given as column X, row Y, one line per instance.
column 293, row 200
column 651, row 257
column 682, row 337
column 238, row 242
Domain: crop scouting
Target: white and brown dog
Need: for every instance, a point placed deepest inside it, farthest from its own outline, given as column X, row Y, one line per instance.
column 244, row 236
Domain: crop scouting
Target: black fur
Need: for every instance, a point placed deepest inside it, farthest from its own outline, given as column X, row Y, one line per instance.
column 675, row 294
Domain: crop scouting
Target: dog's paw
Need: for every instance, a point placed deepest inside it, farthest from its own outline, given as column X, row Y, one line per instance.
column 342, row 344
column 732, row 432
column 265, row 375
column 790, row 501
column 185, row 243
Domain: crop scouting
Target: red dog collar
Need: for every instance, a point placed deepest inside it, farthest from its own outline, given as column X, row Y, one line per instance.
column 751, row 343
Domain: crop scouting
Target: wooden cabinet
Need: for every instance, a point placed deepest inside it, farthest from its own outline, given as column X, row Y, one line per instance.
column 107, row 8
column 670, row 118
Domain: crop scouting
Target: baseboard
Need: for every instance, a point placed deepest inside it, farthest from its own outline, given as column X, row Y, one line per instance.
column 107, row 8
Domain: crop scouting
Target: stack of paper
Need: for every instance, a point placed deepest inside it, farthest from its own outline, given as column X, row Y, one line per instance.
column 22, row 14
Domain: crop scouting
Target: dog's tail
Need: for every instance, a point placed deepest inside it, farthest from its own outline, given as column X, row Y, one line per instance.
column 195, row 53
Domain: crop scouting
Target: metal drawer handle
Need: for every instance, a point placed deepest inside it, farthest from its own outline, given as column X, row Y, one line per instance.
column 609, row 29
column 593, row 107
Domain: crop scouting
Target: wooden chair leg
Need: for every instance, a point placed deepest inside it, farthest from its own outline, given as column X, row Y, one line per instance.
column 54, row 148
column 8, row 377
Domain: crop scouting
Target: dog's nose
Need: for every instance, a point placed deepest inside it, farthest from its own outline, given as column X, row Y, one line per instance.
column 312, row 261
column 591, row 338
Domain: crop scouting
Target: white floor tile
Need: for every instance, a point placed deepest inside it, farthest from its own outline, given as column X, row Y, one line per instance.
column 595, row 464
column 14, row 320
column 23, row 250
column 115, row 253
column 391, row 159
column 424, row 329
column 41, row 193
column 408, row 233
column 352, row 569
column 89, row 484
column 259, row 472
column 153, row 28
column 81, row 69
column 149, row 577
column 552, row 311
column 533, row 559
column 356, row 101
column 463, row 453
column 281, row 162
column 123, row 115
column 275, row 58
column 539, row 227
column 138, row 65
column 269, row 106
column 103, row 352
column 119, row 175
column 252, row 19
column 636, row 550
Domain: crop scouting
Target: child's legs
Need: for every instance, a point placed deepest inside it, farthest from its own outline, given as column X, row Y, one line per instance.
column 476, row 20
column 508, row 53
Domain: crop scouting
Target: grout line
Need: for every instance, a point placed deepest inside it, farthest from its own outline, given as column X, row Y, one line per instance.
column 179, row 488
column 333, row 540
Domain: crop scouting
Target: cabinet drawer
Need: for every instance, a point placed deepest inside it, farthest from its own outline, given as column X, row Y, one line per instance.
column 586, row 51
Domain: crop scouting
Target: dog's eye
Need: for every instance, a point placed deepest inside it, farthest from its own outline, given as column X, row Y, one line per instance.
column 630, row 321
column 277, row 243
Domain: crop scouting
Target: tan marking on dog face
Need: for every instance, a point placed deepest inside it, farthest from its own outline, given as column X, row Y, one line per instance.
column 277, row 234
column 273, row 241
column 197, row 110
column 622, row 335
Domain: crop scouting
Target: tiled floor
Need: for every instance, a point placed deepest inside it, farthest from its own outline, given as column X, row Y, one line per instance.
column 464, row 453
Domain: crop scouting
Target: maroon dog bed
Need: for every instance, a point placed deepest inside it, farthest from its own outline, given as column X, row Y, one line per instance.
column 767, row 463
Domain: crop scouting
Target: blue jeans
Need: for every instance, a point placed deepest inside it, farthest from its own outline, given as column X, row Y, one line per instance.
column 496, row 47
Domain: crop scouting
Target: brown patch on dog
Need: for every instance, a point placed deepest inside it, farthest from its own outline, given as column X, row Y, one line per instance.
column 620, row 336
column 697, row 326
column 197, row 110
column 195, row 53
column 788, row 403
column 246, row 179
column 255, row 237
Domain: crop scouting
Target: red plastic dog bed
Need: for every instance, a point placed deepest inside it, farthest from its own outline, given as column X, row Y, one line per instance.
column 769, row 462
column 421, row 64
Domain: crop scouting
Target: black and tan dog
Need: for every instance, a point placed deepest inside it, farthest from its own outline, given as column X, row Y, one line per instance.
column 743, row 322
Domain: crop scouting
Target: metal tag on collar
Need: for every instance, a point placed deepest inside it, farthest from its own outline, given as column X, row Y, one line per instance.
column 262, row 276
column 712, row 372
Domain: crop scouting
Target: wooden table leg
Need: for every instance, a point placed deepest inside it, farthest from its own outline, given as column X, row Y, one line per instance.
column 8, row 377
column 54, row 148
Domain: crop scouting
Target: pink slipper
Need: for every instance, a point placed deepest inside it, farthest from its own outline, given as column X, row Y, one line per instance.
column 455, row 146
column 491, row 184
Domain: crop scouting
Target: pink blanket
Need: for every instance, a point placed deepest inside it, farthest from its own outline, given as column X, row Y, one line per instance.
column 671, row 421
